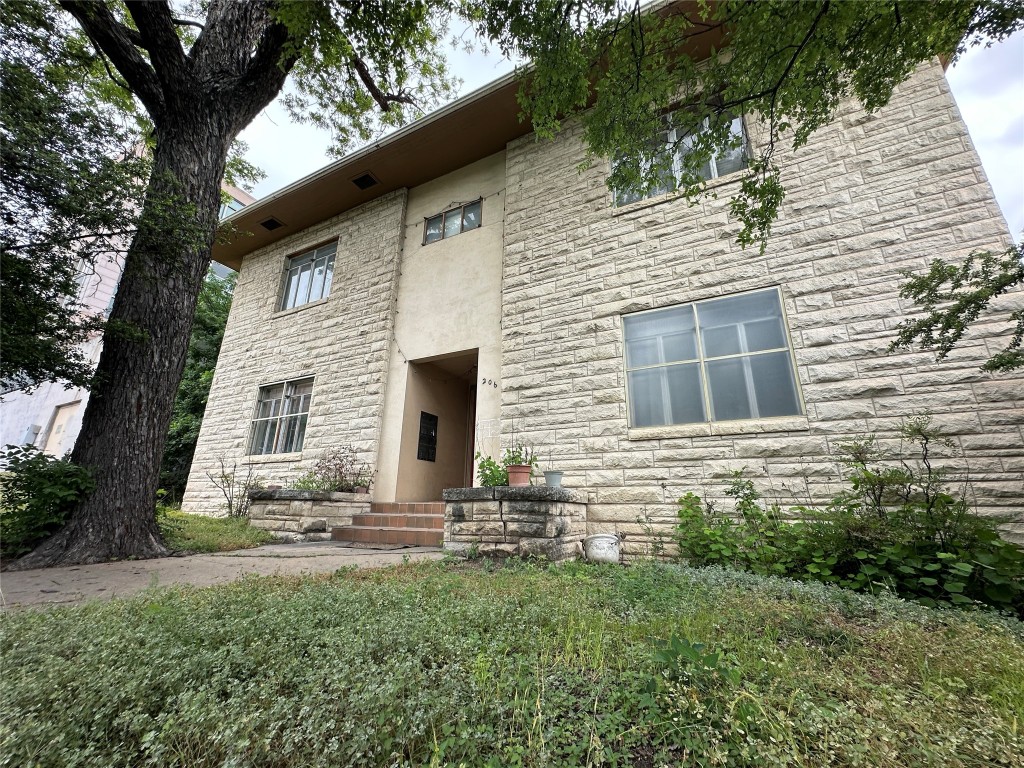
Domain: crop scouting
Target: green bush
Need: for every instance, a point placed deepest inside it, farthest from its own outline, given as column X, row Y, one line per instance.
column 491, row 472
column 896, row 527
column 36, row 493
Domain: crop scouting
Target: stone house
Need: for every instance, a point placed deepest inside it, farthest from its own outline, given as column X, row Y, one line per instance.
column 459, row 281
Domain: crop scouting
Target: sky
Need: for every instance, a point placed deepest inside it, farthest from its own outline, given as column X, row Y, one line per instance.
column 987, row 83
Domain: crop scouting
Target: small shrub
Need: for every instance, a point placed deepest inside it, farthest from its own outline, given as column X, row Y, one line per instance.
column 36, row 493
column 337, row 471
column 235, row 484
column 491, row 472
column 896, row 527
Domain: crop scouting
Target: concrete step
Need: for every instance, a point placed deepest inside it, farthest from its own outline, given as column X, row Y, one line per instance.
column 433, row 522
column 369, row 534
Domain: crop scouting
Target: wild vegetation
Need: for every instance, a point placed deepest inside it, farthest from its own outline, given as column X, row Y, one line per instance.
column 898, row 525
column 201, row 533
column 512, row 665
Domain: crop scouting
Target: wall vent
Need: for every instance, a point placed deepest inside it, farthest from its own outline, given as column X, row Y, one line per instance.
column 271, row 224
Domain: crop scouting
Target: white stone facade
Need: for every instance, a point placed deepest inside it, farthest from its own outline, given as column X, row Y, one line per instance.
column 866, row 198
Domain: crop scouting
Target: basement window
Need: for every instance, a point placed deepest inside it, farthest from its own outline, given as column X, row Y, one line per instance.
column 452, row 222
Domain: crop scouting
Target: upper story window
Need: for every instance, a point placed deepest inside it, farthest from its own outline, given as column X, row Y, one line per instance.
column 229, row 206
column 308, row 276
column 714, row 360
column 672, row 145
column 452, row 222
column 279, row 425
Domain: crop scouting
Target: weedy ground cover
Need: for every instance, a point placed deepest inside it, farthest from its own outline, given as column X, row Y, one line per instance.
column 517, row 665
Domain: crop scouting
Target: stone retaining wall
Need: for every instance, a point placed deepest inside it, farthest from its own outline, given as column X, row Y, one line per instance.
column 304, row 515
column 527, row 521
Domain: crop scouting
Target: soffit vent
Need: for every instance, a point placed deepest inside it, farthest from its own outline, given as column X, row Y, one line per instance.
column 271, row 224
column 365, row 181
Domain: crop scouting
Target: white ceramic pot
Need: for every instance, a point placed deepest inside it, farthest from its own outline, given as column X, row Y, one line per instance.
column 601, row 548
column 553, row 479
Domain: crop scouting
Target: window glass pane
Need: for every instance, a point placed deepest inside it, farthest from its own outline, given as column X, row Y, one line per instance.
column 328, row 275
column 774, row 385
column 724, row 323
column 270, row 401
column 724, row 340
column 646, row 405
column 765, row 334
column 734, row 159
column 664, row 336
column 263, row 436
column 303, row 281
column 727, row 388
column 293, row 429
column 471, row 216
column 319, row 274
column 453, row 222
column 291, row 289
column 433, row 229
column 642, row 352
column 685, row 393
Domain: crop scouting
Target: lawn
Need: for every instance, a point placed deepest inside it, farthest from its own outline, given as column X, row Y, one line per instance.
column 183, row 532
column 461, row 664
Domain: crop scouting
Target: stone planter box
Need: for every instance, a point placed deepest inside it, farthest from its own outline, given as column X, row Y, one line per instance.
column 521, row 521
column 304, row 515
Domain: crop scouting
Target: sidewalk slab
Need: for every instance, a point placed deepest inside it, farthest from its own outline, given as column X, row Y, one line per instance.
column 76, row 584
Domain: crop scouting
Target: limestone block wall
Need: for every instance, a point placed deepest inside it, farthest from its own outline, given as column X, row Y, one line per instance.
column 297, row 515
column 869, row 196
column 343, row 341
column 521, row 521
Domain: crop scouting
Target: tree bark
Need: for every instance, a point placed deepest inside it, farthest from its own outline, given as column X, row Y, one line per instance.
column 197, row 111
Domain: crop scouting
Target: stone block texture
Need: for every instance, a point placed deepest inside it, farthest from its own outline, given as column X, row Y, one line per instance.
column 522, row 522
column 342, row 341
column 869, row 196
column 299, row 515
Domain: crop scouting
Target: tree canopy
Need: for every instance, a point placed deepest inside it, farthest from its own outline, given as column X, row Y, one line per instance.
column 201, row 71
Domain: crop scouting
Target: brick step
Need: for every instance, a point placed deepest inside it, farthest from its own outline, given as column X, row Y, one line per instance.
column 435, row 522
column 366, row 534
column 407, row 508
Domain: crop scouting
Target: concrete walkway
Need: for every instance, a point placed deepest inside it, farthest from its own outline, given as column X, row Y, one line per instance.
column 76, row 584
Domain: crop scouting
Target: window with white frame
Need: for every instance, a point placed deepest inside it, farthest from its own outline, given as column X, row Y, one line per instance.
column 673, row 145
column 452, row 222
column 281, row 413
column 308, row 276
column 714, row 360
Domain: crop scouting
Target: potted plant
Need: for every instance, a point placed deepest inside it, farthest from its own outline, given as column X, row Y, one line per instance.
column 553, row 478
column 519, row 461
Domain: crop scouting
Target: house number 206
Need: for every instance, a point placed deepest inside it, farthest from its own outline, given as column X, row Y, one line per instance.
column 489, row 382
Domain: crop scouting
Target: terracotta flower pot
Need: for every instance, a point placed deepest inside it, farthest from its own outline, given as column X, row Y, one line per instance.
column 519, row 474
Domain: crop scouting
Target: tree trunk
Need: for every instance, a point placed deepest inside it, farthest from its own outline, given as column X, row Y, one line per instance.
column 125, row 424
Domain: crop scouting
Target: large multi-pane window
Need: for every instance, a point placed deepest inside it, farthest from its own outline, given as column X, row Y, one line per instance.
column 452, row 222
column 672, row 145
column 281, row 413
column 714, row 360
column 308, row 276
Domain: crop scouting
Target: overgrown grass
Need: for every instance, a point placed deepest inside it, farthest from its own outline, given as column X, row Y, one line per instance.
column 443, row 664
column 199, row 533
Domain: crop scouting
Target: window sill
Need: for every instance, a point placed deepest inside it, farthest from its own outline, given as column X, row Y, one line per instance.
column 744, row 427
column 273, row 458
column 639, row 205
column 293, row 310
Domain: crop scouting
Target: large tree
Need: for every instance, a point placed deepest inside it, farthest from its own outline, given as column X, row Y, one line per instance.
column 202, row 73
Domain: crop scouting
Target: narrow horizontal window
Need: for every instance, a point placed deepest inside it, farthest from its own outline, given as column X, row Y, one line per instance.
column 714, row 360
column 308, row 276
column 279, row 424
column 452, row 222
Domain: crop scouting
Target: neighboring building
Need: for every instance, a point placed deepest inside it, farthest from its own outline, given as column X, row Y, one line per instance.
column 460, row 282
column 50, row 415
